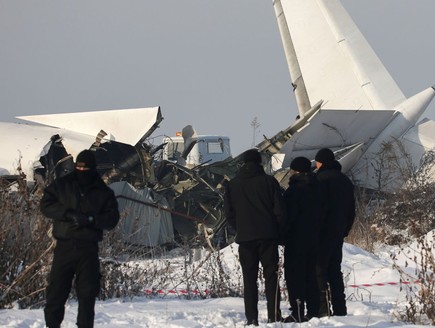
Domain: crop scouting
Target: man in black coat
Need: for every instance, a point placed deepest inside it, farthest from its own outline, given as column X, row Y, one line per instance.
column 253, row 206
column 338, row 193
column 81, row 206
column 303, row 203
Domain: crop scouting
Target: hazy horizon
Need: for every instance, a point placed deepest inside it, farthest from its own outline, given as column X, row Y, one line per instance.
column 215, row 65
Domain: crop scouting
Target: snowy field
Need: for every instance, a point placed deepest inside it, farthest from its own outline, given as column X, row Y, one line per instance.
column 373, row 289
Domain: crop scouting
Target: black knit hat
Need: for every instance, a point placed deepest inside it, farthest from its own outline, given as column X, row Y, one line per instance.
column 86, row 159
column 252, row 155
column 324, row 155
column 301, row 164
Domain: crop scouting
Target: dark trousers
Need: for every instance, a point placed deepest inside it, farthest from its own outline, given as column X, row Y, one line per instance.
column 328, row 270
column 251, row 254
column 301, row 280
column 79, row 259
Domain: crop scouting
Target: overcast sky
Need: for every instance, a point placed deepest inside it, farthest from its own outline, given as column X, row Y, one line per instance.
column 214, row 64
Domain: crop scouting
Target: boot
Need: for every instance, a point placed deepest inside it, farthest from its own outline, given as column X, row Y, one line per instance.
column 297, row 311
column 340, row 310
column 253, row 322
column 338, row 302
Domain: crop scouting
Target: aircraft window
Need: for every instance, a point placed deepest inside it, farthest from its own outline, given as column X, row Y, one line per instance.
column 214, row 147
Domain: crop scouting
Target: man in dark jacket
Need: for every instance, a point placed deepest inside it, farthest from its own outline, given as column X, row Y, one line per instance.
column 338, row 193
column 303, row 203
column 253, row 206
column 81, row 206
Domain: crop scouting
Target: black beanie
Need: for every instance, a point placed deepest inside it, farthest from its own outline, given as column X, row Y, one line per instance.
column 86, row 158
column 301, row 164
column 324, row 155
column 252, row 155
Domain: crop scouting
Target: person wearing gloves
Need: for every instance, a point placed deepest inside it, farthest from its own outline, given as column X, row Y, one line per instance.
column 81, row 206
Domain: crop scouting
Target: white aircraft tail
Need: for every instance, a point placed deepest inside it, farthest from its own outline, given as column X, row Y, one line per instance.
column 332, row 65
column 329, row 59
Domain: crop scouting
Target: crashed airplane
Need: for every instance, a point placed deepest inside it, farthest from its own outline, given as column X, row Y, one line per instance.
column 347, row 101
column 28, row 148
column 162, row 201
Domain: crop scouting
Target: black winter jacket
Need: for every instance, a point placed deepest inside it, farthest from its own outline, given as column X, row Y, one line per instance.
column 253, row 204
column 97, row 200
column 304, row 208
column 338, row 192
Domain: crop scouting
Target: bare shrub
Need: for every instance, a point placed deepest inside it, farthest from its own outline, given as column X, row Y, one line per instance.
column 25, row 248
column 363, row 233
column 396, row 217
column 420, row 297
column 409, row 212
column 402, row 217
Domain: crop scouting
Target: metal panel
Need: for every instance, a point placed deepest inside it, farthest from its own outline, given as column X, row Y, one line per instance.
column 142, row 224
column 335, row 129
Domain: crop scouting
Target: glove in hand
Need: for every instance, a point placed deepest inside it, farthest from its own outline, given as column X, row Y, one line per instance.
column 78, row 219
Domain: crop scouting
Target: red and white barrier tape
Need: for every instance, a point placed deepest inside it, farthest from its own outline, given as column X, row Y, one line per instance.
column 208, row 292
column 385, row 284
column 175, row 292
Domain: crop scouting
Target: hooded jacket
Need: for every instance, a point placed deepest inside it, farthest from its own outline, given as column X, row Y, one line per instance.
column 253, row 204
column 96, row 200
column 338, row 193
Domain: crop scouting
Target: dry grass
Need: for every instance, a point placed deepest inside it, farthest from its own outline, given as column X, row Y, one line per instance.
column 26, row 248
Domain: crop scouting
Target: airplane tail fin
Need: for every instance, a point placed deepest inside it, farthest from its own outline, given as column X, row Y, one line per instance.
column 330, row 60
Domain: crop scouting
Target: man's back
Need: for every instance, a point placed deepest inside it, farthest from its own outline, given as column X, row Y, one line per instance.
column 253, row 204
column 340, row 202
column 302, row 199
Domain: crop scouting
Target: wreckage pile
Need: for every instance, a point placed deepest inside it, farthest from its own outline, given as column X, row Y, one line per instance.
column 161, row 201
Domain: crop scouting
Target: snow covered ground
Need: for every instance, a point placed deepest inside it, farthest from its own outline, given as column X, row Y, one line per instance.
column 373, row 289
